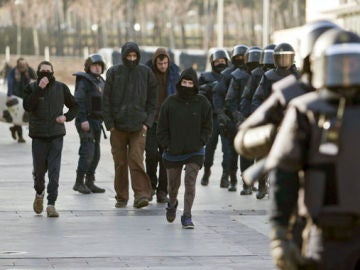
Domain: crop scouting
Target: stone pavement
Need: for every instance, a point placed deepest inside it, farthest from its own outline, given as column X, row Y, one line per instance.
column 231, row 231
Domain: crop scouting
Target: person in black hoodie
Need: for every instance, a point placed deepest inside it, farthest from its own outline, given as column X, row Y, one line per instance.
column 129, row 104
column 184, row 127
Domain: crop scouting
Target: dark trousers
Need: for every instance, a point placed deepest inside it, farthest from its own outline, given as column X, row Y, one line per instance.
column 211, row 147
column 47, row 158
column 153, row 160
column 128, row 153
column 89, row 150
column 328, row 253
column 174, row 181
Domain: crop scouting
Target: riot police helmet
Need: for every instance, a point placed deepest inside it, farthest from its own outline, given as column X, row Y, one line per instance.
column 238, row 54
column 267, row 55
column 336, row 60
column 310, row 33
column 94, row 59
column 219, row 54
column 284, row 55
column 252, row 57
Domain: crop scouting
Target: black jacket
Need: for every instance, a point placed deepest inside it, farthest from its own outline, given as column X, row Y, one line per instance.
column 88, row 95
column 130, row 94
column 184, row 125
column 44, row 105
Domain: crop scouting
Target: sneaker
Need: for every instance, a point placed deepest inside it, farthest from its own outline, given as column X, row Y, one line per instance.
column 51, row 211
column 187, row 222
column 38, row 203
column 120, row 204
column 140, row 203
column 171, row 212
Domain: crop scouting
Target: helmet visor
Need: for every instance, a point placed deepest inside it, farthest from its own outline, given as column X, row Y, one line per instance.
column 342, row 65
column 284, row 59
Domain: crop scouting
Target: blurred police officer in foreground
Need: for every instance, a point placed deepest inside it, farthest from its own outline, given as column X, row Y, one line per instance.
column 317, row 140
column 89, row 87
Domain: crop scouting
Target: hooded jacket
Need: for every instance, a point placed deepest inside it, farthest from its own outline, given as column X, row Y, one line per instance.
column 185, row 125
column 166, row 81
column 130, row 94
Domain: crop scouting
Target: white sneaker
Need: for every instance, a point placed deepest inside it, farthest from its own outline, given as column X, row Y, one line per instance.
column 51, row 211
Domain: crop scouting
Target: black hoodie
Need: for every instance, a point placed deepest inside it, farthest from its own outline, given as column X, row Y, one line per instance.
column 185, row 125
column 130, row 94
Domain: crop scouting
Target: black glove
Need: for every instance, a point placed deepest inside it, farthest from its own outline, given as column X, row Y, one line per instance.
column 223, row 119
column 238, row 118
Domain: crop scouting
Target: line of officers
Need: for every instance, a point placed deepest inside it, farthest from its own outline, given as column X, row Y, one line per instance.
column 236, row 87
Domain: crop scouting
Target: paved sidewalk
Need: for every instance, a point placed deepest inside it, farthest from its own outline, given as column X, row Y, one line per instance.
column 231, row 231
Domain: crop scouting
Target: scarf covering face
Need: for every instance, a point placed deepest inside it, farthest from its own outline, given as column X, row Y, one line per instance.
column 126, row 49
column 187, row 92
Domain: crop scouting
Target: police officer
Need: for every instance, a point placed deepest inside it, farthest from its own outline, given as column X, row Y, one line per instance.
column 266, row 63
column 284, row 55
column 239, row 80
column 88, row 94
column 317, row 139
column 224, row 116
column 219, row 61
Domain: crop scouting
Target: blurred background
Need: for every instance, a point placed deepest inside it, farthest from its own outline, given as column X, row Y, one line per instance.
column 66, row 30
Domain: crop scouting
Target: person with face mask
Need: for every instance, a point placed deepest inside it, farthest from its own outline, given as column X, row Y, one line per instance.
column 18, row 78
column 184, row 127
column 224, row 116
column 44, row 100
column 89, row 87
column 239, row 79
column 208, row 81
column 129, row 105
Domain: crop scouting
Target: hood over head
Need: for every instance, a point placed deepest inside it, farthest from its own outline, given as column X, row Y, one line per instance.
column 130, row 47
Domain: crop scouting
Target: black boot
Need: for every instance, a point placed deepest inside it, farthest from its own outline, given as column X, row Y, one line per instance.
column 20, row 134
column 246, row 190
column 262, row 188
column 233, row 182
column 13, row 132
column 205, row 178
column 89, row 182
column 224, row 181
column 79, row 184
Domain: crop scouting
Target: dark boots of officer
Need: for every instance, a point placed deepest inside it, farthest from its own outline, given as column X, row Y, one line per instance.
column 262, row 188
column 224, row 180
column 233, row 182
column 79, row 184
column 90, row 183
column 205, row 178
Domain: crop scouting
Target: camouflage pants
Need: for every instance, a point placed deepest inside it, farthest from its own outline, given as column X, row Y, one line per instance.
column 174, row 181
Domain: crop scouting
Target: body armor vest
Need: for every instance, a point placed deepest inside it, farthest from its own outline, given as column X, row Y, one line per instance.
column 331, row 176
